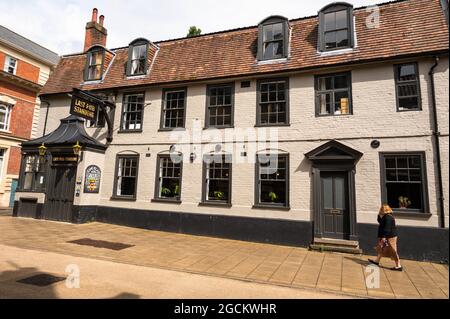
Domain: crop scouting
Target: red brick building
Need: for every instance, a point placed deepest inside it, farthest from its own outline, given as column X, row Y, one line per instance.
column 24, row 68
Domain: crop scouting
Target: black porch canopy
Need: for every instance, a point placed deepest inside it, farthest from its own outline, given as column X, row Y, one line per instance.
column 70, row 131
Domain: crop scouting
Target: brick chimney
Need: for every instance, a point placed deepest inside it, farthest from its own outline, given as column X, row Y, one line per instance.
column 95, row 31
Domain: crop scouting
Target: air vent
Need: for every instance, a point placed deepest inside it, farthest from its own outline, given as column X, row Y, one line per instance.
column 245, row 84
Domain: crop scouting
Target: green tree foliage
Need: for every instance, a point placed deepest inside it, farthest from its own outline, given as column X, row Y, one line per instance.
column 194, row 31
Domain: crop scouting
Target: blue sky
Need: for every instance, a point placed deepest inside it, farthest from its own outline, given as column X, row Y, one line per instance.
column 59, row 25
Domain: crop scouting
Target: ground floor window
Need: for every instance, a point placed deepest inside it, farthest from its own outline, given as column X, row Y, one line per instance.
column 126, row 176
column 403, row 181
column 33, row 178
column 272, row 180
column 217, row 179
column 169, row 176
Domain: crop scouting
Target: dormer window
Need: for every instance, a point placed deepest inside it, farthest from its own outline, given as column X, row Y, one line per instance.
column 336, row 27
column 94, row 64
column 273, row 38
column 137, row 57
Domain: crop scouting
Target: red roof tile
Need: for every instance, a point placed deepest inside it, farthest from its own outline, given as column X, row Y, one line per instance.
column 406, row 28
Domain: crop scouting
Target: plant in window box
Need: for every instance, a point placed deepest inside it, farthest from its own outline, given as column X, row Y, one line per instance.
column 273, row 197
column 176, row 190
column 165, row 192
column 403, row 202
column 219, row 195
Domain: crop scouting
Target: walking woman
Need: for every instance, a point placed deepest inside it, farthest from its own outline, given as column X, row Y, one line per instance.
column 387, row 238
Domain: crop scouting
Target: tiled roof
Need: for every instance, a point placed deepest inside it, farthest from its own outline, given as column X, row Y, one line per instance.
column 16, row 40
column 408, row 27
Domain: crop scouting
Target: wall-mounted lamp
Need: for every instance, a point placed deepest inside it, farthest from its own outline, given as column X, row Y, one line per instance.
column 42, row 150
column 77, row 148
column 192, row 157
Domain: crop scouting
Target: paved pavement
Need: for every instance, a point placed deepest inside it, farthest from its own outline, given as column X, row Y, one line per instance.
column 106, row 279
column 255, row 262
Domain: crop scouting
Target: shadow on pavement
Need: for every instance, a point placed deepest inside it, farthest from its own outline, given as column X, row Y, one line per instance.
column 10, row 288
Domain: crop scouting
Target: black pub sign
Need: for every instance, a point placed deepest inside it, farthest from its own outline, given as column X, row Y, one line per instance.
column 84, row 105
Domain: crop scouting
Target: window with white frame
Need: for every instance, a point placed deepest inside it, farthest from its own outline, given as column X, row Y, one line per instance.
column 126, row 176
column 10, row 65
column 33, row 178
column 132, row 112
column 2, row 157
column 5, row 115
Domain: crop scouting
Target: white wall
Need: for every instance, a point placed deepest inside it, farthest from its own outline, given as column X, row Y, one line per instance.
column 374, row 117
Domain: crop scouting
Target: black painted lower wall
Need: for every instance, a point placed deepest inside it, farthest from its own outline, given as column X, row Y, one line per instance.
column 275, row 231
column 418, row 243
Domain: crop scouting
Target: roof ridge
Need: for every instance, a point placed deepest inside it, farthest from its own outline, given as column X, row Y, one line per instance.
column 241, row 28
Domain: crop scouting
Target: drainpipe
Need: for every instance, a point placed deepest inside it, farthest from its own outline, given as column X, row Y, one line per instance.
column 436, row 135
column 46, row 115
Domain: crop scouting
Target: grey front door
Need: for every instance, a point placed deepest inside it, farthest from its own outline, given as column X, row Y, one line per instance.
column 334, row 206
column 60, row 193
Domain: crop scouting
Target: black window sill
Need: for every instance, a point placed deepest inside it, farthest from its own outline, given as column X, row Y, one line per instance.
column 411, row 213
column 334, row 115
column 129, row 131
column 88, row 81
column 409, row 110
column 124, row 198
column 217, row 127
column 274, row 207
column 213, row 204
column 171, row 129
column 272, row 125
column 166, row 201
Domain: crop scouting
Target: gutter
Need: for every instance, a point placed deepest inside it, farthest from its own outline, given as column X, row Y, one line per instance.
column 436, row 135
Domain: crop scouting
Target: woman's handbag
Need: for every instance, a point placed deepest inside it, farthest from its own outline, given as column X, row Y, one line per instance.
column 384, row 249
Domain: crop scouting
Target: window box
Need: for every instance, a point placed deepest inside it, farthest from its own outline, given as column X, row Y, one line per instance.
column 166, row 200
column 217, row 204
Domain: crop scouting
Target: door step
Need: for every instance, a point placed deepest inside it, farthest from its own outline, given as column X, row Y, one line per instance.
column 336, row 245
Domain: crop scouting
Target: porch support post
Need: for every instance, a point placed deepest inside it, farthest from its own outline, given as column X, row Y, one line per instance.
column 352, row 204
column 316, row 203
